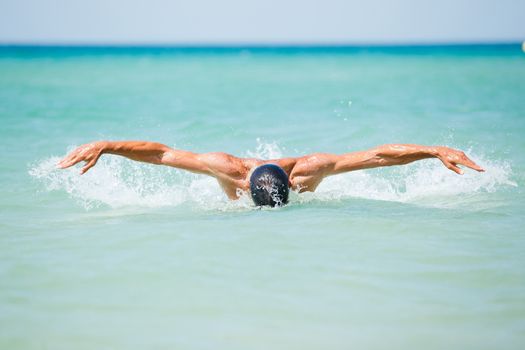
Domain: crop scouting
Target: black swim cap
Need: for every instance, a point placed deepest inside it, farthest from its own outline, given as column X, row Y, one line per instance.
column 269, row 185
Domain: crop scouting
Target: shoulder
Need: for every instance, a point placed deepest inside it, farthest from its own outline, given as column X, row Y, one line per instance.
column 222, row 164
column 315, row 163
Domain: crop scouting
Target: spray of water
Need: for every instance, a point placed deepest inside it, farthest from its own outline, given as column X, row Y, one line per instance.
column 117, row 182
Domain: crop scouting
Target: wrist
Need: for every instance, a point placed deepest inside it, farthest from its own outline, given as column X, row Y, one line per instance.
column 104, row 146
column 432, row 151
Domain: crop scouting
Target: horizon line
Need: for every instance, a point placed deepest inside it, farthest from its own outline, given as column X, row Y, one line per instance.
column 249, row 45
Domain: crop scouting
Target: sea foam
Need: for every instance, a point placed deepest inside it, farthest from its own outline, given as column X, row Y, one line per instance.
column 118, row 182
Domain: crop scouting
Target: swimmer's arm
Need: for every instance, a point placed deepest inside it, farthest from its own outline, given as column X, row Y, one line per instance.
column 399, row 154
column 142, row 151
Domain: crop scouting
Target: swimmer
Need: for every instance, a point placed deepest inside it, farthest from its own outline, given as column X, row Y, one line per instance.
column 267, row 181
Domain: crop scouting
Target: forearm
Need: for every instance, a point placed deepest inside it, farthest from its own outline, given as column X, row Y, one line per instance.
column 385, row 155
column 399, row 154
column 143, row 151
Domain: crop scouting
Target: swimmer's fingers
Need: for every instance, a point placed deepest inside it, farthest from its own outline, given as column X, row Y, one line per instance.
column 88, row 153
column 89, row 165
column 70, row 160
column 451, row 166
column 451, row 158
column 466, row 161
column 90, row 160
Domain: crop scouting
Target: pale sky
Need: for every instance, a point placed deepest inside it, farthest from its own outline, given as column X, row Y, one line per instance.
column 260, row 22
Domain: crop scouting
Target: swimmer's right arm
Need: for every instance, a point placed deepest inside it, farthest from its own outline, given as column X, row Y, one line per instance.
column 142, row 151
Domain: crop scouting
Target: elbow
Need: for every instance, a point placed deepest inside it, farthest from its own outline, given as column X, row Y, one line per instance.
column 386, row 156
column 381, row 161
column 378, row 158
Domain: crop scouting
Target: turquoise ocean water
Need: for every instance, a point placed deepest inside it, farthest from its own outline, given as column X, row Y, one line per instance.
column 135, row 256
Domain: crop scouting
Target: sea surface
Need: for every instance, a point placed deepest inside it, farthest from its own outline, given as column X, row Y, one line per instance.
column 138, row 256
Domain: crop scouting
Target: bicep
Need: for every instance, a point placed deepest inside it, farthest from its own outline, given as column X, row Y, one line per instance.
column 216, row 164
column 355, row 161
column 184, row 160
column 326, row 164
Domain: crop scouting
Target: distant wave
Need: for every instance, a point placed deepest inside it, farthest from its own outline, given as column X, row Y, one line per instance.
column 117, row 182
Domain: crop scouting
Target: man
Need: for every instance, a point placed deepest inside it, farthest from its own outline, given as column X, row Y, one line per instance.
column 268, row 181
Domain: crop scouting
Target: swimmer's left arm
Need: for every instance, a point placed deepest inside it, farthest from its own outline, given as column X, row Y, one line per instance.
column 399, row 154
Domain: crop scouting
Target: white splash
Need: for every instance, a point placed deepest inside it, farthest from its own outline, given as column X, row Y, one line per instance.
column 265, row 150
column 118, row 182
column 426, row 183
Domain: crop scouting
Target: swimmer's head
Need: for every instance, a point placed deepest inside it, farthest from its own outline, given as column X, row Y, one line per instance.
column 269, row 185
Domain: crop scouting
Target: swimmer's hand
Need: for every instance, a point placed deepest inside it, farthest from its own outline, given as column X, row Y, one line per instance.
column 89, row 153
column 451, row 158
